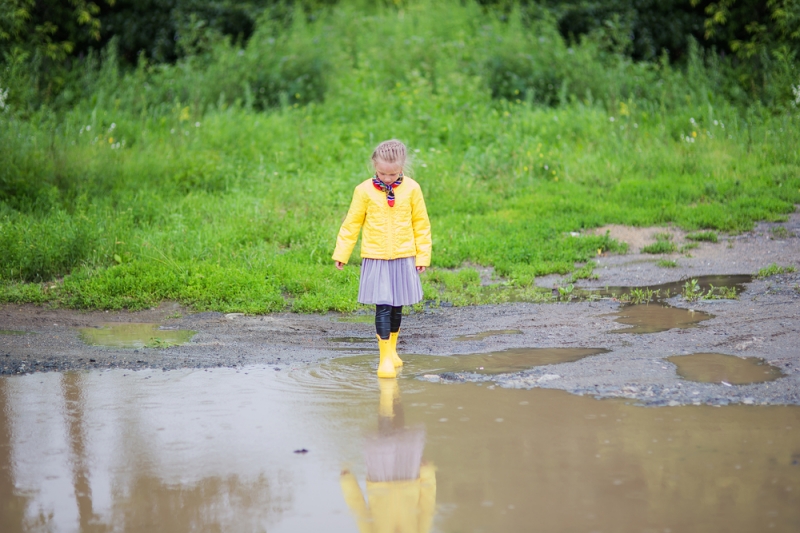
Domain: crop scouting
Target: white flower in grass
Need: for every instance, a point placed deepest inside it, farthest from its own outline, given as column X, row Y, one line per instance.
column 3, row 98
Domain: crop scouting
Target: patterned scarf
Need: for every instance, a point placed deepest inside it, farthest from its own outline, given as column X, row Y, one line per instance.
column 388, row 189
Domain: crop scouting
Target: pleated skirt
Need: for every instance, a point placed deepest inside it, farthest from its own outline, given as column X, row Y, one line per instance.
column 392, row 282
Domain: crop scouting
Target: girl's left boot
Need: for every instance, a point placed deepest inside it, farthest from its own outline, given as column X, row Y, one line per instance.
column 385, row 365
column 395, row 358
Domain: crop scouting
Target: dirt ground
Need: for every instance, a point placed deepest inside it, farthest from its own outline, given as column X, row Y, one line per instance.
column 764, row 322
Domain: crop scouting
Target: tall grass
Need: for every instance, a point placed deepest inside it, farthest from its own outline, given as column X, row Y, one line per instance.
column 191, row 183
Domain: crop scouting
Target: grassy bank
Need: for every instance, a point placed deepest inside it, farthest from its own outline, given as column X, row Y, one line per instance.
column 181, row 183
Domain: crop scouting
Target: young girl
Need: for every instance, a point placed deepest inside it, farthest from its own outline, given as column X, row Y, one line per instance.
column 395, row 245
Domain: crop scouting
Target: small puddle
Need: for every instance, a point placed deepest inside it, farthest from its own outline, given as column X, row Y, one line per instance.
column 655, row 317
column 15, row 332
column 717, row 367
column 331, row 448
column 135, row 335
column 491, row 333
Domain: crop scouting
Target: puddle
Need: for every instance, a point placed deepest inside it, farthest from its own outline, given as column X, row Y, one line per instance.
column 134, row 335
column 15, row 332
column 491, row 333
column 192, row 450
column 655, row 317
column 717, row 367
column 667, row 290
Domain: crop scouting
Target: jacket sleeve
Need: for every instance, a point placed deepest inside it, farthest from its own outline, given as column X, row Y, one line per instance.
column 422, row 228
column 355, row 501
column 351, row 227
column 427, row 497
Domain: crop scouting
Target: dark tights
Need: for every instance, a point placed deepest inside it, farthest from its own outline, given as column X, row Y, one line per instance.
column 387, row 319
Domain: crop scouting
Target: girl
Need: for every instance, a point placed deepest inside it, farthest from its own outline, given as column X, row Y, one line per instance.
column 395, row 246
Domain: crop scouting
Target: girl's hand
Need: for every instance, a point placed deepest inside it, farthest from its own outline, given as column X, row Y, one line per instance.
column 339, row 265
column 420, row 270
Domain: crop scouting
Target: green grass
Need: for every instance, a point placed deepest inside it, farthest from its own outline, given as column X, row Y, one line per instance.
column 774, row 270
column 704, row 236
column 170, row 183
column 666, row 263
column 660, row 247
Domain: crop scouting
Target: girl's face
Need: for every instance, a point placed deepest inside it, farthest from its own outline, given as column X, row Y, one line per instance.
column 387, row 172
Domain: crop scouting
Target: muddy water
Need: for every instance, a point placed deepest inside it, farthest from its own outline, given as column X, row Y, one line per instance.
column 655, row 317
column 484, row 334
column 658, row 316
column 193, row 450
column 717, row 367
column 134, row 335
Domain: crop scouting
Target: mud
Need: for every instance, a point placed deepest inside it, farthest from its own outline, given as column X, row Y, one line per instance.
column 764, row 322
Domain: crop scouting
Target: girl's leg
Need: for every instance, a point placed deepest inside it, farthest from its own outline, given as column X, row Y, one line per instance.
column 386, row 368
column 383, row 320
column 396, row 318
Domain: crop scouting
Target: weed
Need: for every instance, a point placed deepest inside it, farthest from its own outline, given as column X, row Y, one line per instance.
column 720, row 293
column 779, row 232
column 640, row 295
column 663, row 236
column 688, row 246
column 774, row 270
column 667, row 263
column 660, row 247
column 156, row 342
column 705, row 236
column 692, row 291
column 565, row 293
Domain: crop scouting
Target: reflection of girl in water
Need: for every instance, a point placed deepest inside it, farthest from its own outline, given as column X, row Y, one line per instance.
column 401, row 489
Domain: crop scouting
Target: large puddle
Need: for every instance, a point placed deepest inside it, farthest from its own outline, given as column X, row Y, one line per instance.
column 134, row 335
column 719, row 368
column 193, row 450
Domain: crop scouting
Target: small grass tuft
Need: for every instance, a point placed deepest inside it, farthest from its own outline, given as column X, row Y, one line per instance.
column 660, row 247
column 666, row 263
column 779, row 232
column 704, row 236
column 774, row 270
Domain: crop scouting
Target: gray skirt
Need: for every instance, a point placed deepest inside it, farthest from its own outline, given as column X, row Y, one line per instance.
column 392, row 282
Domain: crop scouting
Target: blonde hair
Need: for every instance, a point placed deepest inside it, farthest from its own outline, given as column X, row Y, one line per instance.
column 391, row 151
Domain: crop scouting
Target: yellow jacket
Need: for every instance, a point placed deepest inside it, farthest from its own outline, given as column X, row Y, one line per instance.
column 388, row 232
column 394, row 506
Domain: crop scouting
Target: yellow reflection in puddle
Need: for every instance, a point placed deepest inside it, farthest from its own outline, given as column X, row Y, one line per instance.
column 717, row 367
column 134, row 335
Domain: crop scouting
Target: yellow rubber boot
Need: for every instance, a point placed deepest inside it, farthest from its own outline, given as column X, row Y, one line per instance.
column 390, row 393
column 385, row 366
column 395, row 358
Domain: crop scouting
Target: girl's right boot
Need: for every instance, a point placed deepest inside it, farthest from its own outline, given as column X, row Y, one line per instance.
column 385, row 365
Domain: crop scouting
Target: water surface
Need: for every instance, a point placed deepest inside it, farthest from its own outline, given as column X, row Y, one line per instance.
column 193, row 450
column 717, row 367
column 134, row 335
